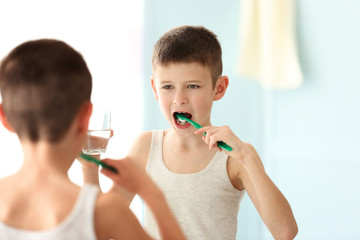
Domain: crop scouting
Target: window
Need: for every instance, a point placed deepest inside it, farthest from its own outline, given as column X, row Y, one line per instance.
column 109, row 36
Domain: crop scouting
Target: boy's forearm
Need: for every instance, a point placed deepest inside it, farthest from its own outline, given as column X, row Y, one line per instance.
column 90, row 170
column 168, row 226
column 91, row 175
column 128, row 196
column 272, row 205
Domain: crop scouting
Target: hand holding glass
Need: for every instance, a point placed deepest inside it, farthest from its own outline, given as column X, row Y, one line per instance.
column 99, row 133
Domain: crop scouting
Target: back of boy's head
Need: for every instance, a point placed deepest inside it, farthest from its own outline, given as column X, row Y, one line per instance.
column 43, row 84
column 187, row 44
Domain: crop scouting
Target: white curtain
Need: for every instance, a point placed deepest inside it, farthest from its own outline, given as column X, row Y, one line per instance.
column 267, row 49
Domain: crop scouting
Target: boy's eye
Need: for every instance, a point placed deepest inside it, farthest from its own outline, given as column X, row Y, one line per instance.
column 167, row 87
column 193, row 86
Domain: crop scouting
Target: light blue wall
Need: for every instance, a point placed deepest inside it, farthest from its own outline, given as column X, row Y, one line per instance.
column 315, row 133
column 308, row 138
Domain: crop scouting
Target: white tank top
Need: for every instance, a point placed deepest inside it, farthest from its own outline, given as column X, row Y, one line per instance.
column 204, row 203
column 78, row 225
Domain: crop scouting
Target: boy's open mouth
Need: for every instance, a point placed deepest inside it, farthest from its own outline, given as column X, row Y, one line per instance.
column 180, row 122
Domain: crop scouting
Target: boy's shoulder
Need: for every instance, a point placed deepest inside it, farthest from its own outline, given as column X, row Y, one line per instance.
column 145, row 137
column 141, row 147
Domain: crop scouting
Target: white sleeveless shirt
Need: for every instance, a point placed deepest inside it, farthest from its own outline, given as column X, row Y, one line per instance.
column 204, row 203
column 78, row 225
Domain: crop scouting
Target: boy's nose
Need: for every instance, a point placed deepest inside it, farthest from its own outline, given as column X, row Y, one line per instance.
column 180, row 99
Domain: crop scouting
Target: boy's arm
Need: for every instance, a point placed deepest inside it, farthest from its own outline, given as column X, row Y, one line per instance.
column 91, row 175
column 114, row 220
column 271, row 204
column 139, row 153
column 267, row 198
column 133, row 177
column 90, row 170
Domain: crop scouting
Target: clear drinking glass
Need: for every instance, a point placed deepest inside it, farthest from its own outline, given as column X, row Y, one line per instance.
column 99, row 133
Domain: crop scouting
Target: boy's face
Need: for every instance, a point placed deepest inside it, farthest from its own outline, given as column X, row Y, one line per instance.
column 186, row 88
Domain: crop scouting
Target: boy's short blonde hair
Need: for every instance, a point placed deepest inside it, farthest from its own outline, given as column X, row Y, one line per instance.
column 186, row 44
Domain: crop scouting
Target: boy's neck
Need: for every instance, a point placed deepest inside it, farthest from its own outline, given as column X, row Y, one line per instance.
column 188, row 142
column 46, row 158
column 185, row 154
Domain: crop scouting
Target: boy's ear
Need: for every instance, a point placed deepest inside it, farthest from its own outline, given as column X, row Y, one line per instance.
column 220, row 88
column 84, row 117
column 154, row 87
column 4, row 121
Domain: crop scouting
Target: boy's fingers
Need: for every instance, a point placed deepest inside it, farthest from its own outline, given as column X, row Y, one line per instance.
column 106, row 160
column 213, row 142
column 111, row 133
column 111, row 163
column 110, row 174
column 197, row 132
column 202, row 130
column 105, row 171
column 207, row 139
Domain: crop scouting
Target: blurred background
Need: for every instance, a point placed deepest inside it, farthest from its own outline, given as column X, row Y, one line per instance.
column 308, row 137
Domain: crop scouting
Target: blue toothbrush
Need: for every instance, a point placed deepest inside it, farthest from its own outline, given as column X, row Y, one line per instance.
column 221, row 144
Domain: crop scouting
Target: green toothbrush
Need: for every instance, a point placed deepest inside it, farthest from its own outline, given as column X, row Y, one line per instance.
column 221, row 144
column 98, row 162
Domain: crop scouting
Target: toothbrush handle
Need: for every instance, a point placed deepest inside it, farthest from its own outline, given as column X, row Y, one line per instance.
column 98, row 162
column 223, row 145
column 111, row 168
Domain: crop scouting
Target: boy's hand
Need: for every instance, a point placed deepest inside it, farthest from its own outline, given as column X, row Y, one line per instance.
column 130, row 175
column 225, row 134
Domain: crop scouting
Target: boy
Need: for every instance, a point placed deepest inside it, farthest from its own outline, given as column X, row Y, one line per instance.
column 203, row 183
column 45, row 87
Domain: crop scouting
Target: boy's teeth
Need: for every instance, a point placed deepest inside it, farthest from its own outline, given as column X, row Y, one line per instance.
column 181, row 122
